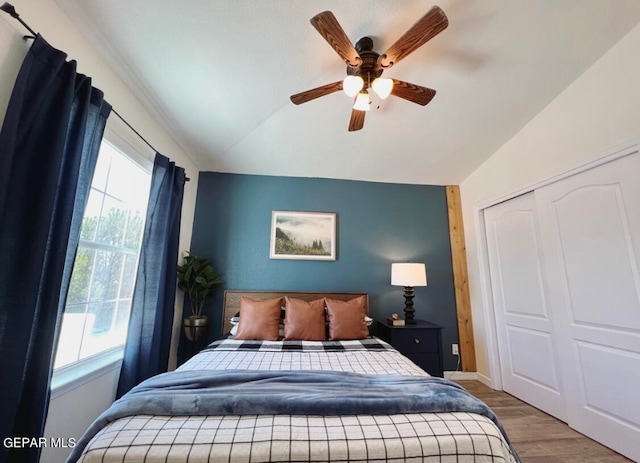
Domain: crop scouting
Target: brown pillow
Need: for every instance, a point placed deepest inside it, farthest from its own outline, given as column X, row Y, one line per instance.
column 259, row 319
column 346, row 319
column 304, row 320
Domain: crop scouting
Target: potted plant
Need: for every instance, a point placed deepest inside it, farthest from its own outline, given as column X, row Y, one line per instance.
column 198, row 280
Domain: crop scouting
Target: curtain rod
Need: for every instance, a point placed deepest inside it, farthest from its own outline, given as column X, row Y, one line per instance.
column 11, row 11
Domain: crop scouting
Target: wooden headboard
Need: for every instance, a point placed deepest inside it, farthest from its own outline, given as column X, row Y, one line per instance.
column 232, row 300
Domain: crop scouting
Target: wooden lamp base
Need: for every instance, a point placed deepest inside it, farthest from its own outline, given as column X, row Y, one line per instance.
column 409, row 311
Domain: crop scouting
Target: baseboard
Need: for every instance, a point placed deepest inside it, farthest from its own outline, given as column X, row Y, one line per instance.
column 484, row 380
column 461, row 375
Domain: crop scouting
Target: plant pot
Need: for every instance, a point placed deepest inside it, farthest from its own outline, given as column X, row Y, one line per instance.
column 196, row 327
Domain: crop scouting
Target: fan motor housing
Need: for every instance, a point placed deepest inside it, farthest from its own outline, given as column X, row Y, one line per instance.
column 368, row 69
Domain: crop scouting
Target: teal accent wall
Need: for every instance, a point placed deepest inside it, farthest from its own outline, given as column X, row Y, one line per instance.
column 377, row 224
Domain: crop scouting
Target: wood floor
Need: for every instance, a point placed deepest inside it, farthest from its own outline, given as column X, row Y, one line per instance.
column 538, row 437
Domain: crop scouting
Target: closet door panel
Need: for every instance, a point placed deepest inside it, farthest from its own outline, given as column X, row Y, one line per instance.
column 602, row 395
column 590, row 235
column 527, row 343
column 525, row 338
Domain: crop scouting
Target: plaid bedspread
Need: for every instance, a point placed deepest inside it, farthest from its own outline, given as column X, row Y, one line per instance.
column 299, row 346
column 431, row 437
column 366, row 356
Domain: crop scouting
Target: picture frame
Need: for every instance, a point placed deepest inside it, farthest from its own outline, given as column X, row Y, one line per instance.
column 303, row 235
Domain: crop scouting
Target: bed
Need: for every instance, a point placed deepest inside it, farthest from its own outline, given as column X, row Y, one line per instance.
column 246, row 425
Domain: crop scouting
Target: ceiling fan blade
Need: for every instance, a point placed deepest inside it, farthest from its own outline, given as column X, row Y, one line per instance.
column 412, row 92
column 314, row 93
column 357, row 120
column 427, row 27
column 329, row 28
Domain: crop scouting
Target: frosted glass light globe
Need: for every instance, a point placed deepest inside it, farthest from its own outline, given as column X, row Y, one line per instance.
column 351, row 85
column 382, row 87
column 362, row 102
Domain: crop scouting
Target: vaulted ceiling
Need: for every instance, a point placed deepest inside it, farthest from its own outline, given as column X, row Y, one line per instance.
column 218, row 75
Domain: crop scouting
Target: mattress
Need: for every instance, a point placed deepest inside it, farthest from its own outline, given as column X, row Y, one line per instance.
column 432, row 437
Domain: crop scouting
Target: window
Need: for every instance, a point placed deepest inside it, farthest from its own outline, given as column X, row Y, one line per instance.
column 97, row 311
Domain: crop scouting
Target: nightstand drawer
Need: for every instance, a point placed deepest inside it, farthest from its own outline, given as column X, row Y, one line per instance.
column 419, row 341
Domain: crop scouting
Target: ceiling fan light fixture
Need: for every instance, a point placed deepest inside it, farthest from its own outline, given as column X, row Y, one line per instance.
column 382, row 87
column 365, row 65
column 351, row 85
column 362, row 102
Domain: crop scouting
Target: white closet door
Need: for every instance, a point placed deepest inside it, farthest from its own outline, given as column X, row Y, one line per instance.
column 590, row 233
column 525, row 339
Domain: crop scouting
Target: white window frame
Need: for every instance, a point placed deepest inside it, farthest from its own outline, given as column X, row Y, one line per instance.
column 74, row 375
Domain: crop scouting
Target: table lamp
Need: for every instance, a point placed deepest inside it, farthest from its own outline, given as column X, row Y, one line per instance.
column 408, row 275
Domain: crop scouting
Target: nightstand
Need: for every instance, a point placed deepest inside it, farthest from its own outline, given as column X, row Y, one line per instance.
column 421, row 342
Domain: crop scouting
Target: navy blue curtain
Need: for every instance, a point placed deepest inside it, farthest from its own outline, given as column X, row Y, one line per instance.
column 48, row 150
column 146, row 351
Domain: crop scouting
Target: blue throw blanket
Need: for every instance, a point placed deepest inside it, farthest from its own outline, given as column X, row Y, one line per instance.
column 325, row 393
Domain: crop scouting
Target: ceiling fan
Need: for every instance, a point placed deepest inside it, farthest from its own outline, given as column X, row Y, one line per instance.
column 365, row 66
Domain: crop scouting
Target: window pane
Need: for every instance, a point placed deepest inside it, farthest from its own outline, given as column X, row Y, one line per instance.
column 113, row 221
column 81, row 277
column 104, row 314
column 130, row 178
column 122, row 317
column 72, row 331
column 101, row 331
column 106, row 276
column 133, row 235
column 130, row 268
column 87, row 348
column 102, row 167
column 96, row 317
column 91, row 215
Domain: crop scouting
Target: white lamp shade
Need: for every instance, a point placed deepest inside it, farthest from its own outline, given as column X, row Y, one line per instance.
column 362, row 102
column 408, row 274
column 351, row 85
column 382, row 87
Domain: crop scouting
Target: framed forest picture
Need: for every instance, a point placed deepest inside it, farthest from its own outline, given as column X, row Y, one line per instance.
column 303, row 235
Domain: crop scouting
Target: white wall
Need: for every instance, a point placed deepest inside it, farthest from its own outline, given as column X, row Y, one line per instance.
column 12, row 51
column 596, row 113
column 75, row 410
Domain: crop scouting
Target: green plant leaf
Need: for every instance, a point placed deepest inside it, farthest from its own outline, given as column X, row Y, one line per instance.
column 197, row 278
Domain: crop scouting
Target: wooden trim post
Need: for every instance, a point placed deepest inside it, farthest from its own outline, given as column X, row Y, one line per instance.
column 461, row 280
